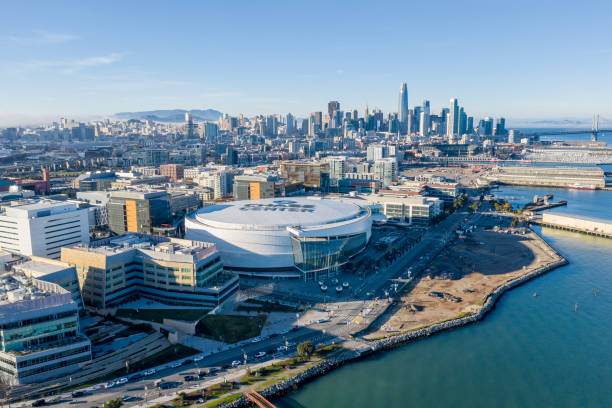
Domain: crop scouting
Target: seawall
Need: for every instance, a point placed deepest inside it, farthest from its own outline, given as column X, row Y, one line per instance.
column 387, row 343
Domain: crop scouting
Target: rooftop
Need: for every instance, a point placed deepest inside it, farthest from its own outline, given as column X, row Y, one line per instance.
column 156, row 247
column 275, row 212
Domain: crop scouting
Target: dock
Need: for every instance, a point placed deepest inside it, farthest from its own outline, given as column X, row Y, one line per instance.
column 574, row 223
column 541, row 207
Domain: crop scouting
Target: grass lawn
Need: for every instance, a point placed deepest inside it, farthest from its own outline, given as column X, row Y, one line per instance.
column 229, row 328
column 258, row 305
column 158, row 315
column 223, row 400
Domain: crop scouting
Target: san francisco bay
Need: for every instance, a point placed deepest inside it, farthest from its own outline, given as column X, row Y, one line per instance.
column 548, row 350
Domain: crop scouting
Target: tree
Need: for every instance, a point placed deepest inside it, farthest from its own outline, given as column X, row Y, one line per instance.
column 305, row 349
column 514, row 222
column 116, row 403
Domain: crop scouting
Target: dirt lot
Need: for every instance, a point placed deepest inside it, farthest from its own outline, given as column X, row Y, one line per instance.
column 459, row 279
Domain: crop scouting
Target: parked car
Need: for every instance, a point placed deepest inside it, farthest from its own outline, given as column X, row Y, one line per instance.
column 260, row 354
column 38, row 403
column 149, row 372
column 176, row 364
column 236, row 363
column 77, row 394
column 110, row 384
column 122, row 380
column 189, row 378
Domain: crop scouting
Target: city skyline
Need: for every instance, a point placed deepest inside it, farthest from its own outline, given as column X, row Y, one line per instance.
column 259, row 60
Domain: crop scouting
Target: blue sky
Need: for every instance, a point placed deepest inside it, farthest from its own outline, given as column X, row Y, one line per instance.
column 520, row 59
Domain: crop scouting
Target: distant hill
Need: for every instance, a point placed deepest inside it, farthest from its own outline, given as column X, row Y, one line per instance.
column 171, row 115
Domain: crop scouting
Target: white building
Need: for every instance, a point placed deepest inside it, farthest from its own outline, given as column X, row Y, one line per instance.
column 42, row 227
column 406, row 207
column 304, row 237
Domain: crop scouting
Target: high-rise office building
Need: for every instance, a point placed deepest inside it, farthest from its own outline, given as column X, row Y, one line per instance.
column 290, row 126
column 376, row 151
column 210, row 132
column 189, row 126
column 500, row 127
column 462, row 127
column 402, row 109
column 333, row 107
column 452, row 122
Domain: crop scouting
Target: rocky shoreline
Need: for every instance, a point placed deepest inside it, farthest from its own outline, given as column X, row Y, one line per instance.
column 401, row 339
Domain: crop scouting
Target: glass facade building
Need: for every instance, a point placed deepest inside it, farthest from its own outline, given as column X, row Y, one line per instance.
column 320, row 257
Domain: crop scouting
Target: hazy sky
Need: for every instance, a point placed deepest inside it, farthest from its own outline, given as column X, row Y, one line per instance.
column 521, row 59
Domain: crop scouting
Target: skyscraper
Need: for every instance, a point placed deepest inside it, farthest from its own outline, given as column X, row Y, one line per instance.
column 189, row 127
column 452, row 122
column 290, row 125
column 332, row 107
column 402, row 109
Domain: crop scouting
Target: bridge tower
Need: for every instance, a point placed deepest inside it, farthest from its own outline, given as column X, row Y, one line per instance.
column 595, row 128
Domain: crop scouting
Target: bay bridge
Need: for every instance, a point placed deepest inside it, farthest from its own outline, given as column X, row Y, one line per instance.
column 595, row 131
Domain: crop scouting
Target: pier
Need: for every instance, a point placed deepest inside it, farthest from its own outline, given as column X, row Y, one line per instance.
column 258, row 399
column 573, row 223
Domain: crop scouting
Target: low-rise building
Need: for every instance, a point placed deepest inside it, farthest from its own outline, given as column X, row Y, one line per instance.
column 406, row 207
column 168, row 270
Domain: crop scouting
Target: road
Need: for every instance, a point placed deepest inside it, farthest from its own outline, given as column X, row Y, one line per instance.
column 98, row 395
column 343, row 320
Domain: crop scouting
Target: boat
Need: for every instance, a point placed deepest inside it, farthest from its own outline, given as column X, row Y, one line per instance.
column 577, row 186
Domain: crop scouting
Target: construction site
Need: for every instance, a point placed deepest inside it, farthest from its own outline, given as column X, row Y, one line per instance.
column 459, row 279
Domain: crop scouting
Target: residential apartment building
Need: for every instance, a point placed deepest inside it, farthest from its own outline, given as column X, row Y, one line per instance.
column 172, row 171
column 386, row 171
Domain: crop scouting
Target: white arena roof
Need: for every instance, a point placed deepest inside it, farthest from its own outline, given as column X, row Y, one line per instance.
column 278, row 213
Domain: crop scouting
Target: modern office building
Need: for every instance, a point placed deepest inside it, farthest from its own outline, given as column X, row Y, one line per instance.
column 168, row 270
column 52, row 271
column 307, row 238
column 135, row 211
column 39, row 331
column 42, row 227
column 255, row 187
column 452, row 120
column 402, row 109
column 189, row 126
column 407, row 207
column 156, row 157
column 210, row 132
